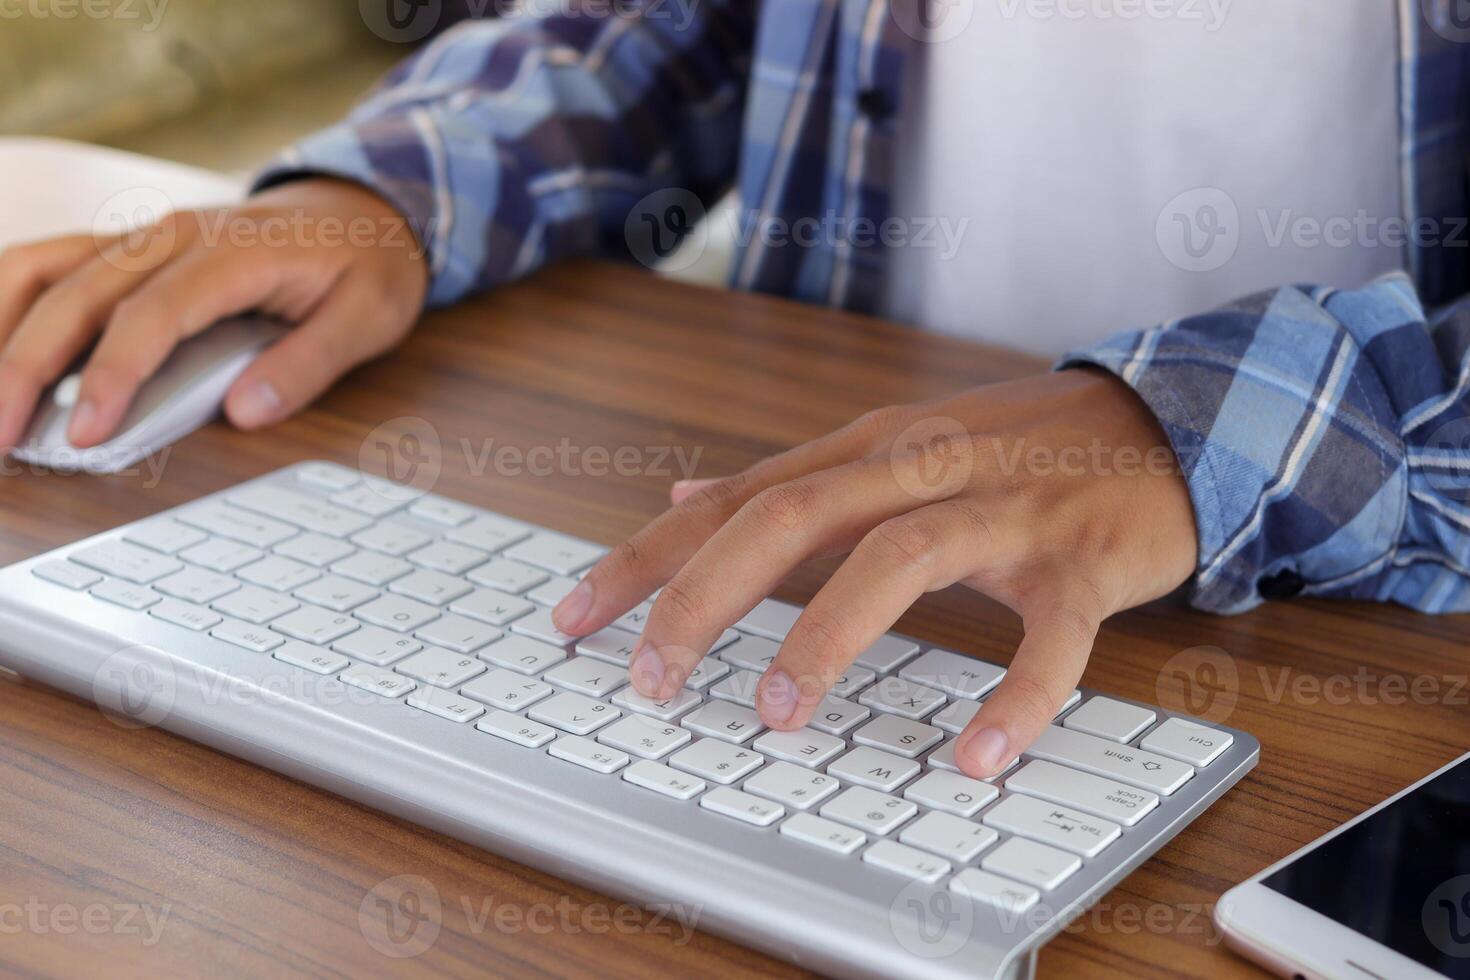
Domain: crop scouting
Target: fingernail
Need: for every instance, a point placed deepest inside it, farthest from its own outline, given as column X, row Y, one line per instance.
column 647, row 671
column 573, row 607
column 257, row 405
column 83, row 417
column 986, row 750
column 683, row 488
column 778, row 699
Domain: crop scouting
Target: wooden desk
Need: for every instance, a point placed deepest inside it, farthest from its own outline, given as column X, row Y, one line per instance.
column 262, row 875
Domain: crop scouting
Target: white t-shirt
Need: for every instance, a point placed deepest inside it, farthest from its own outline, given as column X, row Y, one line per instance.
column 1068, row 146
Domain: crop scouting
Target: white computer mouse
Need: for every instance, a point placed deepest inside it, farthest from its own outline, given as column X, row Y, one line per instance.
column 184, row 394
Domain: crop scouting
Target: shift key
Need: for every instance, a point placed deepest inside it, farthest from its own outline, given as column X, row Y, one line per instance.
column 1104, row 758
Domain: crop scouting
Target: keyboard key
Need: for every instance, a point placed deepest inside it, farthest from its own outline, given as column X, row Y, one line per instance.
column 812, row 829
column 440, row 667
column 835, row 716
column 383, row 683
column 279, row 573
column 1145, row 770
column 375, row 497
column 634, row 619
column 717, row 761
column 255, row 605
column 391, row 538
column 1032, row 863
column 254, row 638
column 552, row 591
column 949, row 836
column 445, row 513
column 237, row 525
column 507, row 576
column 771, row 618
column 445, row 704
column 791, row 785
column 183, row 614
column 378, row 647
column 135, row 597
column 878, row 770
column 126, row 561
column 662, row 779
column 507, row 690
column 868, row 810
column 337, row 593
column 666, row 710
column 220, row 555
column 804, row 747
column 723, row 720
column 1184, row 740
column 327, row 476
column 643, row 736
column 613, row 645
column 705, row 673
column 489, row 532
column 738, row 687
column 489, row 606
column 902, row 697
column 522, row 654
column 943, row 758
column 888, row 654
column 1108, row 798
column 1000, row 893
column 752, row 653
column 514, row 728
column 302, row 509
column 458, row 634
column 316, row 550
column 1109, row 719
column 594, row 678
column 556, row 553
column 956, row 716
column 574, row 713
column 898, row 735
column 165, row 536
column 588, row 754
column 907, row 861
column 952, row 793
column 67, row 574
column 314, row 625
column 371, row 568
column 311, row 658
column 742, row 806
column 448, row 558
column 396, row 612
column 195, row 585
column 852, row 681
column 953, row 673
column 433, row 588
column 538, row 626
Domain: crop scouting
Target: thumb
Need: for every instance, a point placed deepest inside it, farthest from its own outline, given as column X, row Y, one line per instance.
column 1046, row 669
column 342, row 333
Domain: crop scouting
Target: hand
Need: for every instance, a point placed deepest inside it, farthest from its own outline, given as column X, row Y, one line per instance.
column 329, row 256
column 1057, row 495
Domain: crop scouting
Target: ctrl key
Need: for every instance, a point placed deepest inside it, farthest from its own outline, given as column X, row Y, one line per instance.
column 993, row 890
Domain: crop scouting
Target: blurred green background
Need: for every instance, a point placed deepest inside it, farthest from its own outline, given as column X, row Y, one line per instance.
column 216, row 83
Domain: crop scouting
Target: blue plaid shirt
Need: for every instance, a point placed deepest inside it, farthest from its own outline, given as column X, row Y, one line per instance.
column 1325, row 434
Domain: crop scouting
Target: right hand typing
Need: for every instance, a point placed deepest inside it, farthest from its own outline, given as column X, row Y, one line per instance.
column 330, row 257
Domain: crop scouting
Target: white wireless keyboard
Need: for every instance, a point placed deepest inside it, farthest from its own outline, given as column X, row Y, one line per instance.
column 397, row 648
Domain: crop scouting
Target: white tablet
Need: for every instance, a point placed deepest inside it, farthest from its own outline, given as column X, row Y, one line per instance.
column 1385, row 896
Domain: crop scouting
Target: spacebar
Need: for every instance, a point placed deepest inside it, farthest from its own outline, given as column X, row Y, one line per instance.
column 1122, row 762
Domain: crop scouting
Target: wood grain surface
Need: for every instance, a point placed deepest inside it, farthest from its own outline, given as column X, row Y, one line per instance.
column 247, row 873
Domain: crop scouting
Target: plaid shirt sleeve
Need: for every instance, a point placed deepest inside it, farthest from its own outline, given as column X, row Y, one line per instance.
column 510, row 143
column 1325, row 437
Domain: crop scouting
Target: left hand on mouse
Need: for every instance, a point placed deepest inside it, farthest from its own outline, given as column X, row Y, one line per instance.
column 1057, row 495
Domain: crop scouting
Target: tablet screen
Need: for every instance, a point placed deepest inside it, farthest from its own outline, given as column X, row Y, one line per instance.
column 1400, row 877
